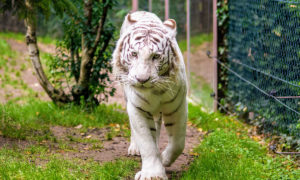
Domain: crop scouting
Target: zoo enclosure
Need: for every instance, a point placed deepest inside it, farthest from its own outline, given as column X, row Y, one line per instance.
column 264, row 64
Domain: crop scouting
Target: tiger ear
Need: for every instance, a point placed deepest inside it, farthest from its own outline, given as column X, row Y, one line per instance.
column 128, row 21
column 170, row 24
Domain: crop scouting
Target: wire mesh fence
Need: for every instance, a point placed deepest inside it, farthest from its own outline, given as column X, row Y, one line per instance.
column 264, row 63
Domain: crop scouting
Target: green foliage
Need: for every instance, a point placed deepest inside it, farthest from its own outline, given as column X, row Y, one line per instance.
column 44, row 7
column 68, row 62
column 33, row 119
column 21, row 164
column 222, row 19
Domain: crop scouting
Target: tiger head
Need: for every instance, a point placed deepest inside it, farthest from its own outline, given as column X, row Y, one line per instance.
column 146, row 54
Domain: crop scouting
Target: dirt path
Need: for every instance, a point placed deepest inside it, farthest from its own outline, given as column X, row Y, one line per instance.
column 109, row 149
column 117, row 147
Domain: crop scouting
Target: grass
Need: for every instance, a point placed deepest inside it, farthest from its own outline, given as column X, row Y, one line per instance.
column 33, row 119
column 11, row 73
column 228, row 153
column 21, row 37
column 195, row 41
column 6, row 54
column 201, row 91
column 36, row 163
column 209, row 121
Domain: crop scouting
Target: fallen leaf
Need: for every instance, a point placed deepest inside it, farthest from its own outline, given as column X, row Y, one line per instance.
column 79, row 126
column 189, row 123
column 193, row 153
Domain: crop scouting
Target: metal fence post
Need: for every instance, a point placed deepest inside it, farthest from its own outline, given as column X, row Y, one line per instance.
column 188, row 45
column 135, row 5
column 150, row 5
column 215, row 54
column 166, row 9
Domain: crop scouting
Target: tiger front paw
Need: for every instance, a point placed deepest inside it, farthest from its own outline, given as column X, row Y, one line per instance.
column 166, row 159
column 133, row 149
column 142, row 175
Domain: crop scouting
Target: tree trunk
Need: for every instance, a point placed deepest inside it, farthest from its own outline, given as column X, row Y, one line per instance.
column 82, row 87
column 31, row 41
column 89, row 49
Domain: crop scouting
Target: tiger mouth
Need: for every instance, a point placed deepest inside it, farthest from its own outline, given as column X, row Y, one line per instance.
column 142, row 86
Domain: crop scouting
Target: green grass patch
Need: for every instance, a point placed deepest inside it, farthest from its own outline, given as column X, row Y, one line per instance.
column 21, row 37
column 12, row 35
column 34, row 118
column 227, row 153
column 196, row 40
column 11, row 76
column 210, row 121
column 224, row 155
column 26, row 164
column 6, row 54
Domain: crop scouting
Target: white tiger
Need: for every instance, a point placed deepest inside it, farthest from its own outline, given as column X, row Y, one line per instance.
column 149, row 64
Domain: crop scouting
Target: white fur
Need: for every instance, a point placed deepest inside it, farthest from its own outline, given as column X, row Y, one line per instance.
column 143, row 140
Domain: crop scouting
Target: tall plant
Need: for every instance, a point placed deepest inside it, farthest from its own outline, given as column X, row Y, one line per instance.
column 84, row 51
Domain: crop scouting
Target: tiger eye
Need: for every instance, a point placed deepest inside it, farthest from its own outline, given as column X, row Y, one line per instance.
column 156, row 56
column 134, row 54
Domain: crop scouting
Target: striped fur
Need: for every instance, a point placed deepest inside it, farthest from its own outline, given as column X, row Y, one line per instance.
column 148, row 63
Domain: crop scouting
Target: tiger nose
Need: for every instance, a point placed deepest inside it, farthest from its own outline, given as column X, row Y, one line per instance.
column 142, row 79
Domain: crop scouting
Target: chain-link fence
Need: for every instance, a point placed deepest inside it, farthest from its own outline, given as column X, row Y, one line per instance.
column 264, row 62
